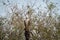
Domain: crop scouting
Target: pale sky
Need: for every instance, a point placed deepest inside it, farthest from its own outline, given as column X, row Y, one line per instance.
column 3, row 8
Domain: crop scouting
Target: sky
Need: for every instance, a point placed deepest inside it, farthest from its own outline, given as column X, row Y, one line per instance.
column 3, row 8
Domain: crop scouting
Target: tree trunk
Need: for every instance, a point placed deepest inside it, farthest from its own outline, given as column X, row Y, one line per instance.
column 27, row 35
column 27, row 32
